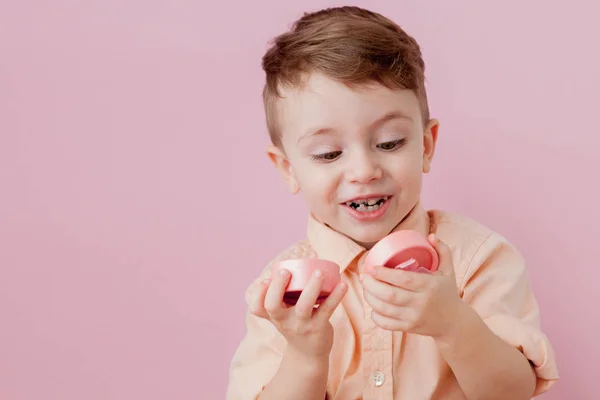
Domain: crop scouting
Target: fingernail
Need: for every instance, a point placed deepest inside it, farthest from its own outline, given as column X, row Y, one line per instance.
column 266, row 281
column 318, row 273
column 283, row 272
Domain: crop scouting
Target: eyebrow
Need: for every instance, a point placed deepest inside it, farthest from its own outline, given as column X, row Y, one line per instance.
column 378, row 122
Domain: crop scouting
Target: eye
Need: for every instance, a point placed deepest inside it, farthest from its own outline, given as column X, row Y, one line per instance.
column 332, row 155
column 388, row 146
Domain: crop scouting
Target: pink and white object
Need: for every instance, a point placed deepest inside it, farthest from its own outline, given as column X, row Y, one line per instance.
column 406, row 249
column 302, row 270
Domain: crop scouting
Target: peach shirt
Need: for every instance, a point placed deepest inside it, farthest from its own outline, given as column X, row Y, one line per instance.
column 370, row 363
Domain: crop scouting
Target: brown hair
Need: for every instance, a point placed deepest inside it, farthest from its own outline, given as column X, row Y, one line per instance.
column 349, row 44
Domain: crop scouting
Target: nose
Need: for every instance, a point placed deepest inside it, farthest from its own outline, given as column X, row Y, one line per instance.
column 362, row 168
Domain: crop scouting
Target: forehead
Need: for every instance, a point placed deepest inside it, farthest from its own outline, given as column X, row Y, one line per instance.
column 323, row 103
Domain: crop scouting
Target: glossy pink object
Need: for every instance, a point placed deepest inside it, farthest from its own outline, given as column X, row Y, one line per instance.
column 406, row 249
column 301, row 271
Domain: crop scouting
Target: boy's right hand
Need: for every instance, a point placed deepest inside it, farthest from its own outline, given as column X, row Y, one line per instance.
column 307, row 329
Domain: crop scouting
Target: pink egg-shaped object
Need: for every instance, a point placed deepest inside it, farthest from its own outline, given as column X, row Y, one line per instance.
column 405, row 249
column 301, row 271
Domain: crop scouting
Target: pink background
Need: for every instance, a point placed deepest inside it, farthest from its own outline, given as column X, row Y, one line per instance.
column 136, row 201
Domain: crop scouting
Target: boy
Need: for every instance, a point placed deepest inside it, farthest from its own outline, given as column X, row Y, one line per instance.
column 347, row 112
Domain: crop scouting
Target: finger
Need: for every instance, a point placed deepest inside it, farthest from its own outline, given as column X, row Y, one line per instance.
column 390, row 324
column 274, row 304
column 383, row 307
column 408, row 280
column 306, row 303
column 446, row 265
column 256, row 303
column 326, row 309
column 387, row 292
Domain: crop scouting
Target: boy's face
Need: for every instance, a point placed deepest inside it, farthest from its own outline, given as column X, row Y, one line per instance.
column 356, row 155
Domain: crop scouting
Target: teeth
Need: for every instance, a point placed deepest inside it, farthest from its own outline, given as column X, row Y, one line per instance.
column 367, row 205
column 365, row 208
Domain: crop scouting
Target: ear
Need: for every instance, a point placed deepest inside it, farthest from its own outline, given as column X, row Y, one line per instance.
column 430, row 136
column 282, row 164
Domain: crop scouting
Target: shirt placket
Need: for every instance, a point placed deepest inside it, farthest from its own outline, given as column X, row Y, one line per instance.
column 377, row 357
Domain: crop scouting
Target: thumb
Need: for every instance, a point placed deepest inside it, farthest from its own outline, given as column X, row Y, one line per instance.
column 446, row 265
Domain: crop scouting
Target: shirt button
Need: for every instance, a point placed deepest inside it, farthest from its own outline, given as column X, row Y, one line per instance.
column 378, row 378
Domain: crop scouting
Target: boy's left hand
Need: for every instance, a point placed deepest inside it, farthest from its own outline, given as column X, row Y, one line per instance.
column 423, row 303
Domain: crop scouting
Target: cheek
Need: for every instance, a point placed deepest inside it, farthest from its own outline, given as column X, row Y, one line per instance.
column 318, row 184
column 406, row 170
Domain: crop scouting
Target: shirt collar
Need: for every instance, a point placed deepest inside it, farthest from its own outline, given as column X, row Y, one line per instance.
column 333, row 246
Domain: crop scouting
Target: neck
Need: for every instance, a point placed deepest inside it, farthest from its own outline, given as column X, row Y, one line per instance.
column 412, row 220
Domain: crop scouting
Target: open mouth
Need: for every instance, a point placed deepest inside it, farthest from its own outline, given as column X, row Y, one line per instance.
column 367, row 205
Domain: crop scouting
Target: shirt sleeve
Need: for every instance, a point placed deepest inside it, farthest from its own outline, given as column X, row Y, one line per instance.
column 256, row 359
column 497, row 287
